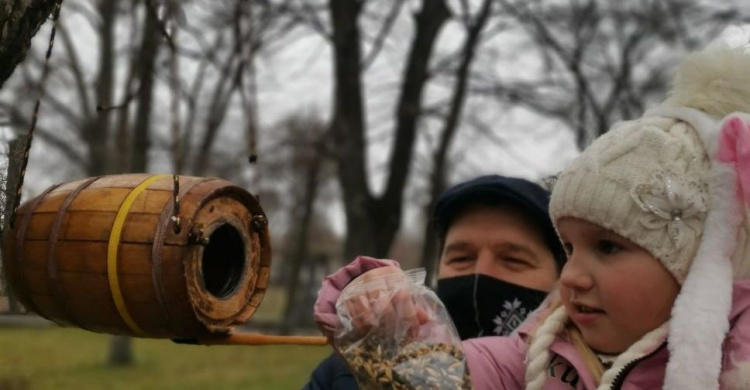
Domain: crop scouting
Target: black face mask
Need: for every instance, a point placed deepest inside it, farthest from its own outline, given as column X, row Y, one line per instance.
column 481, row 305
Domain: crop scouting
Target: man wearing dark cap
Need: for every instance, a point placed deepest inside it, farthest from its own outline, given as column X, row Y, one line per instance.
column 500, row 256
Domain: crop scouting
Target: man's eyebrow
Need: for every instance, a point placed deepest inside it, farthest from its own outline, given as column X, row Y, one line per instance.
column 515, row 248
column 458, row 246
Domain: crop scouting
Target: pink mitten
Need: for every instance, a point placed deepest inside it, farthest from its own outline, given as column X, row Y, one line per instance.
column 324, row 310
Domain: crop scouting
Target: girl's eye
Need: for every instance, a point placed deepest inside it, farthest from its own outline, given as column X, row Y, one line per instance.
column 608, row 247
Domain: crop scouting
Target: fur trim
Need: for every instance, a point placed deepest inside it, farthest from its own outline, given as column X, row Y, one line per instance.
column 699, row 316
column 538, row 354
column 738, row 378
column 646, row 344
column 741, row 256
column 715, row 80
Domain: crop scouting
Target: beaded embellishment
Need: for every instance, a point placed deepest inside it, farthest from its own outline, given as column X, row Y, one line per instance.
column 674, row 203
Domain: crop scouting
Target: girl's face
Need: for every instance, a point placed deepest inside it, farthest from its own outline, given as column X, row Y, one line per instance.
column 614, row 290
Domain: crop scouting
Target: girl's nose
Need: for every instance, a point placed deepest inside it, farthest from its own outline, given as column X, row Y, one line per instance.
column 575, row 274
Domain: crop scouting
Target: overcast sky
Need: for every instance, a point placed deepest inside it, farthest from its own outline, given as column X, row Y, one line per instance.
column 299, row 79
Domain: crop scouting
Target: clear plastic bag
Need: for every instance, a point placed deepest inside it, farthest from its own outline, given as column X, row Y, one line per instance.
column 396, row 334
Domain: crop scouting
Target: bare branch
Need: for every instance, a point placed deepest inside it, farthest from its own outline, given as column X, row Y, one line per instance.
column 18, row 120
column 385, row 29
column 75, row 68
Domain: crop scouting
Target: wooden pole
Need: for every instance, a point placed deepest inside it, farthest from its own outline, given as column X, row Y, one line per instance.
column 262, row 339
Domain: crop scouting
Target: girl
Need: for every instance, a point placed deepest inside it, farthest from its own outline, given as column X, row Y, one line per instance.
column 654, row 217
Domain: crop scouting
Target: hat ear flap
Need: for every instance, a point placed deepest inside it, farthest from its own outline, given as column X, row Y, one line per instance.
column 700, row 312
column 734, row 148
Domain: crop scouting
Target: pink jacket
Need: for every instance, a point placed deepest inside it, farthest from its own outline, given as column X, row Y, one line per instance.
column 498, row 362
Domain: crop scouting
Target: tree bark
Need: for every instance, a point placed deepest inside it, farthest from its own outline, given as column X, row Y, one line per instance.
column 97, row 126
column 372, row 222
column 19, row 22
column 348, row 126
column 120, row 351
column 147, row 64
column 17, row 149
column 301, row 252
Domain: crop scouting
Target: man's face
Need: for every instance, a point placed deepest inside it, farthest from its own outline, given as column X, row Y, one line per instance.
column 499, row 242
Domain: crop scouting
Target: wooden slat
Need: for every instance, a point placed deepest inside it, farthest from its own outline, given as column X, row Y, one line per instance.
column 168, row 185
column 97, row 313
column 121, row 181
column 135, row 288
column 90, row 257
column 94, row 226
column 67, row 187
column 183, row 316
column 99, row 199
column 40, row 226
column 139, row 228
column 151, row 320
column 52, row 202
column 48, row 308
column 111, row 199
column 37, row 280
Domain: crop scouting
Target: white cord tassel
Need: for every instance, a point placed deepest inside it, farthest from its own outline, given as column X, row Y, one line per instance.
column 538, row 355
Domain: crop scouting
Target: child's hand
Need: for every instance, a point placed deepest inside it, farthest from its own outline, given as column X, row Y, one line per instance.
column 379, row 298
column 325, row 306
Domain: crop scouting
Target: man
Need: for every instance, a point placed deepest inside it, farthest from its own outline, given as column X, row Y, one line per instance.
column 500, row 256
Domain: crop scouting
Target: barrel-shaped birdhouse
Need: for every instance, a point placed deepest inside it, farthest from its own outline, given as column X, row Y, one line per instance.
column 141, row 255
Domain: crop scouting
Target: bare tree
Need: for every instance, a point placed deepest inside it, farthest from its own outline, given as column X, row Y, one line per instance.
column 371, row 220
column 474, row 25
column 19, row 23
column 307, row 164
column 601, row 61
column 145, row 73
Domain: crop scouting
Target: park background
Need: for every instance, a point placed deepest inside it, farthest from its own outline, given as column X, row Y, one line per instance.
column 359, row 113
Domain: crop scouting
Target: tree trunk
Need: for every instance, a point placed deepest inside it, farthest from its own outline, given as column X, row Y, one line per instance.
column 387, row 216
column 97, row 126
column 372, row 222
column 437, row 180
column 349, row 128
column 16, row 151
column 301, row 253
column 14, row 306
column 19, row 22
column 120, row 351
column 146, row 68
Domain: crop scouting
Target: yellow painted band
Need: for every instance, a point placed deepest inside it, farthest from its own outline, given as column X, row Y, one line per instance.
column 112, row 249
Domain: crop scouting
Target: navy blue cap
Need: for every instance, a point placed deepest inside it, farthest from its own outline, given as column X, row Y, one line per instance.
column 529, row 197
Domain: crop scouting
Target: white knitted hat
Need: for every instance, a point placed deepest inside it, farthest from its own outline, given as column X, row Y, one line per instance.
column 646, row 181
column 656, row 181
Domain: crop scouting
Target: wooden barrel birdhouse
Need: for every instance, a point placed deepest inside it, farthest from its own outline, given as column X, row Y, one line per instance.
column 128, row 254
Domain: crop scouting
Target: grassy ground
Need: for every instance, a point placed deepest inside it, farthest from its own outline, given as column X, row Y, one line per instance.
column 57, row 358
